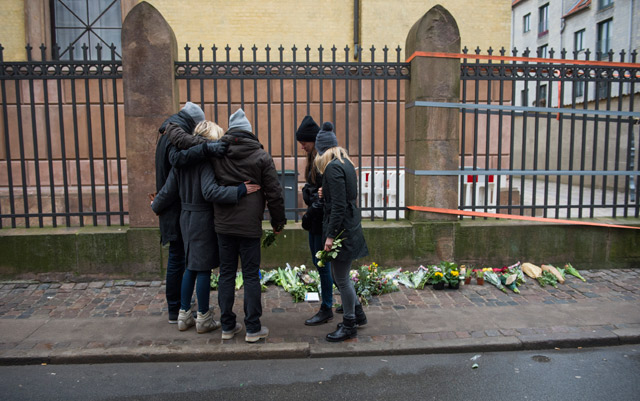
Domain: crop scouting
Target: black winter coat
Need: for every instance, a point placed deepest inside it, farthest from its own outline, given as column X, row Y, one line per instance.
column 246, row 160
column 195, row 188
column 170, row 217
column 340, row 193
column 312, row 219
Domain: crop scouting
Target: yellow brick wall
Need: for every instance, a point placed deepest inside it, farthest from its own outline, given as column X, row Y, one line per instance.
column 482, row 23
column 12, row 35
column 260, row 23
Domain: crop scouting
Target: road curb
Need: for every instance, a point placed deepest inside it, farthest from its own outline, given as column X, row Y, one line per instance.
column 171, row 353
column 298, row 350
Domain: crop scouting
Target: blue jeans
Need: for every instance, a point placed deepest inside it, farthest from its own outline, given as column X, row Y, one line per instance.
column 326, row 282
column 175, row 270
column 203, row 288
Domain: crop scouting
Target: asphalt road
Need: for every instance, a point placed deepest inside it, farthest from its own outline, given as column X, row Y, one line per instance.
column 568, row 374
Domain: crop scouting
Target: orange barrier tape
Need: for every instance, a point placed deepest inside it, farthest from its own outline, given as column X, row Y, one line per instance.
column 525, row 59
column 513, row 217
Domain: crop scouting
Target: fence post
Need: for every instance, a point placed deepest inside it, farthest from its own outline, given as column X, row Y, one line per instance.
column 149, row 50
column 432, row 133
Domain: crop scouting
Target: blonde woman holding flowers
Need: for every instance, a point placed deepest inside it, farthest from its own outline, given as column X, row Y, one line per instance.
column 341, row 217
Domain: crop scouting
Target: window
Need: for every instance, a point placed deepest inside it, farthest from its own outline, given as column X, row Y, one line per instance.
column 604, row 38
column 604, row 4
column 543, row 20
column 578, row 40
column 542, row 96
column 579, row 86
column 526, row 23
column 543, row 51
column 524, row 97
column 86, row 22
column 603, row 46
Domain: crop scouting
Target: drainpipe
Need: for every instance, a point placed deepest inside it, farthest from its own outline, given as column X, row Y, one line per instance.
column 631, row 8
column 356, row 29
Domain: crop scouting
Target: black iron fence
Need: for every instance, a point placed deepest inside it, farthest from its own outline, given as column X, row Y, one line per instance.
column 546, row 137
column 550, row 137
column 363, row 99
column 62, row 150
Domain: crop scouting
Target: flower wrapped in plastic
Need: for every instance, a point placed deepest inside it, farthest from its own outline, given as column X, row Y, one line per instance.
column 493, row 278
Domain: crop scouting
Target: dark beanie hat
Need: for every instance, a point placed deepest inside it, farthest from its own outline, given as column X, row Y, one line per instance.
column 326, row 138
column 307, row 130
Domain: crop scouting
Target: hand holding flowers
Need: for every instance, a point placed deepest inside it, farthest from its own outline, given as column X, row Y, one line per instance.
column 325, row 257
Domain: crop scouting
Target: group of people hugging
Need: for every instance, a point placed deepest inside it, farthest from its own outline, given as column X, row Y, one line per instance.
column 212, row 190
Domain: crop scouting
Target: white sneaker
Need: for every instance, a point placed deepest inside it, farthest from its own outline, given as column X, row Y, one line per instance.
column 229, row 334
column 185, row 320
column 254, row 337
column 205, row 323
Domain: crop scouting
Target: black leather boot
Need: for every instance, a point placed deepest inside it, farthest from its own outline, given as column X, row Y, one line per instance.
column 347, row 329
column 323, row 316
column 361, row 317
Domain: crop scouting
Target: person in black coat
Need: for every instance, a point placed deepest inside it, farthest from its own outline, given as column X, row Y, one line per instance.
column 312, row 219
column 341, row 218
column 196, row 188
column 187, row 118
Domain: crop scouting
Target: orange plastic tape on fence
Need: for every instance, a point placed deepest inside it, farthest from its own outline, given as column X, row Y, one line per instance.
column 524, row 59
column 514, row 217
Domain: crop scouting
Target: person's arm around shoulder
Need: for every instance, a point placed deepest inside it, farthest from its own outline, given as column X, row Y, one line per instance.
column 215, row 193
column 182, row 139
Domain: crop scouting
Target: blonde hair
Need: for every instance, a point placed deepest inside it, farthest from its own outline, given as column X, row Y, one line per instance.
column 208, row 129
column 335, row 152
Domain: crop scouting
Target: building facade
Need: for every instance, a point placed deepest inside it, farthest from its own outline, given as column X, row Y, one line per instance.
column 585, row 29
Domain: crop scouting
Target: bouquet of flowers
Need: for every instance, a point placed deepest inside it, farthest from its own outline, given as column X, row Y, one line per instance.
column 266, row 277
column 215, row 277
column 291, row 280
column 512, row 276
column 325, row 257
column 573, row 271
column 269, row 238
column 368, row 281
column 493, row 278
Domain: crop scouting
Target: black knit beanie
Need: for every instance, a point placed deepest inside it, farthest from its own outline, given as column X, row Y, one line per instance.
column 307, row 130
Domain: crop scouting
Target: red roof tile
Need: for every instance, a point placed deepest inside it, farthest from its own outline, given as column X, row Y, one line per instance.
column 579, row 6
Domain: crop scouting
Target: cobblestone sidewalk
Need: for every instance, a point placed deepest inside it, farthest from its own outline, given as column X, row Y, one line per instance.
column 405, row 316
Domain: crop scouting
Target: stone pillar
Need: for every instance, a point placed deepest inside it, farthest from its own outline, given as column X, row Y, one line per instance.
column 149, row 50
column 432, row 133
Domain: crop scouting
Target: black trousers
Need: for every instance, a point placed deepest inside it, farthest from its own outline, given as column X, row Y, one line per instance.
column 248, row 249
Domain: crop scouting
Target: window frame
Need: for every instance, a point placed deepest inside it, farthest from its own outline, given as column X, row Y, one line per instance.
column 602, row 4
column 603, row 49
column 87, row 30
column 578, row 34
column 543, row 20
column 526, row 23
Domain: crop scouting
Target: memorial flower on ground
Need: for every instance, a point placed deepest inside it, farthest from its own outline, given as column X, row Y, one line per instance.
column 369, row 281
